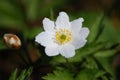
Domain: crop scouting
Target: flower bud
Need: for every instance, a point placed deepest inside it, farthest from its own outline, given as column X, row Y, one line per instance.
column 12, row 41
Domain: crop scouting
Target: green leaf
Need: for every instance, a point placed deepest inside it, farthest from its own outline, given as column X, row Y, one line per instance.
column 57, row 60
column 80, row 54
column 89, row 49
column 24, row 75
column 95, row 29
column 13, row 75
column 59, row 75
column 106, row 65
column 99, row 73
column 28, row 73
column 91, row 74
column 109, row 33
column 86, row 74
column 105, row 53
column 104, row 78
column 90, row 63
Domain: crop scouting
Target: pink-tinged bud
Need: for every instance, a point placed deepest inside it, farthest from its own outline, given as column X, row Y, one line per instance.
column 12, row 41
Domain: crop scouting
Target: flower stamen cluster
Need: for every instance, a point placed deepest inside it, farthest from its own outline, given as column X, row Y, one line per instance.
column 63, row 36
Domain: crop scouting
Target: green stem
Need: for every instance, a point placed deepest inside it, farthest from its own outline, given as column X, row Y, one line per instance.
column 51, row 14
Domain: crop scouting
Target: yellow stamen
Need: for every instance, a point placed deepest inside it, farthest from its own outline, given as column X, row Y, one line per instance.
column 63, row 36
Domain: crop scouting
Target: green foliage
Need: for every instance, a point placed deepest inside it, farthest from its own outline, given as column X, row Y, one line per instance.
column 109, row 33
column 96, row 57
column 92, row 62
column 106, row 64
column 32, row 8
column 13, row 75
column 80, row 53
column 96, row 29
column 59, row 75
column 10, row 15
column 86, row 74
column 105, row 53
column 24, row 75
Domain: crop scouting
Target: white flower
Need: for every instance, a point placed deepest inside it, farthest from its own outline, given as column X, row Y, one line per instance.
column 62, row 37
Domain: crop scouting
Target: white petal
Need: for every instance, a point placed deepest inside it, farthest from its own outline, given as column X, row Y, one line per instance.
column 77, row 24
column 45, row 39
column 67, row 51
column 42, row 38
column 48, row 24
column 84, row 32
column 51, row 51
column 62, row 21
column 78, row 42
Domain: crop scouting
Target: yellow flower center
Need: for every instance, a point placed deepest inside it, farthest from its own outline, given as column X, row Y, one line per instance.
column 63, row 36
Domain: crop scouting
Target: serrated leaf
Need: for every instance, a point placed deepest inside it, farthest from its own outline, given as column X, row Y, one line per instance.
column 86, row 74
column 91, row 74
column 59, row 75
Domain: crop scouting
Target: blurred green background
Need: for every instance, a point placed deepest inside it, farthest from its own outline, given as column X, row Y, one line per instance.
column 24, row 18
